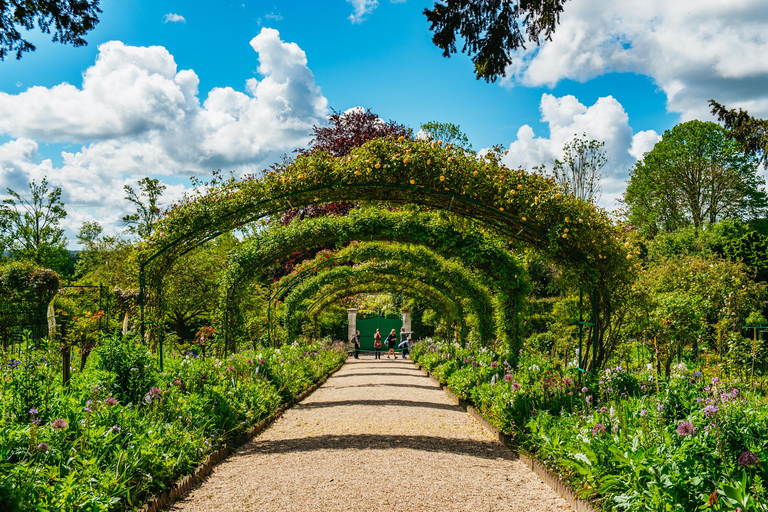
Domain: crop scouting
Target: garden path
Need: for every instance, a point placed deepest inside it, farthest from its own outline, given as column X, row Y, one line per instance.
column 377, row 436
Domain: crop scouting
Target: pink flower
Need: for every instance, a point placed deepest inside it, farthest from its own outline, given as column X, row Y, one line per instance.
column 567, row 381
column 59, row 424
column 686, row 428
column 110, row 401
column 598, row 429
column 508, row 378
column 43, row 447
column 515, row 386
column 156, row 391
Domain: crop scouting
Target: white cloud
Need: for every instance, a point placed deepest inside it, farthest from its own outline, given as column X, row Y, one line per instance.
column 137, row 115
column 567, row 118
column 693, row 50
column 173, row 18
column 361, row 8
column 274, row 16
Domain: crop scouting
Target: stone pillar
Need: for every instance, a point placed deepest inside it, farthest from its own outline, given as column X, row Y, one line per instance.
column 406, row 320
column 352, row 326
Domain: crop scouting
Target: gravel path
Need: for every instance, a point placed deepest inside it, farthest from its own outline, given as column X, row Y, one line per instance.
column 377, row 436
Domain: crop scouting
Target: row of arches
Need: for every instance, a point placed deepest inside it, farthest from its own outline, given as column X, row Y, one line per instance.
column 450, row 204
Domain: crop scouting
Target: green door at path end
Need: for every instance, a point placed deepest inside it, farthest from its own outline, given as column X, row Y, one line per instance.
column 368, row 326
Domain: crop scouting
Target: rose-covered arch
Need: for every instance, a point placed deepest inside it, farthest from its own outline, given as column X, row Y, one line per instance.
column 496, row 267
column 451, row 310
column 413, row 262
column 516, row 204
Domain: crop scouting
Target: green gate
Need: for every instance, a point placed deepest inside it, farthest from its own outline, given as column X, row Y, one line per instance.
column 368, row 326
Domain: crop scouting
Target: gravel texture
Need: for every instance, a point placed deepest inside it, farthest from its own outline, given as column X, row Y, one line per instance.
column 377, row 436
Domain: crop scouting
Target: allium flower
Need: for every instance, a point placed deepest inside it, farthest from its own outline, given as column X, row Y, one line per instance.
column 748, row 459
column 686, row 428
column 177, row 382
column 156, row 391
column 494, row 364
column 598, row 429
column 515, row 386
column 59, row 424
column 110, row 401
column 43, row 447
column 603, row 409
column 660, row 406
column 250, row 361
column 115, row 429
column 508, row 378
column 584, row 389
column 261, row 361
column 567, row 381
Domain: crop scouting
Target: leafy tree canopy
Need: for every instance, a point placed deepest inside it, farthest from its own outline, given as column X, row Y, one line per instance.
column 69, row 19
column 750, row 132
column 695, row 175
column 31, row 226
column 492, row 29
column 449, row 133
column 142, row 223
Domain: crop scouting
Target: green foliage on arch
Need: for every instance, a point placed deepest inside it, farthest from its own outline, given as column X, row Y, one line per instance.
column 514, row 203
column 407, row 260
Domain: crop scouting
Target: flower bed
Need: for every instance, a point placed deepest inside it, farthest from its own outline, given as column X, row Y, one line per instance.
column 124, row 431
column 691, row 443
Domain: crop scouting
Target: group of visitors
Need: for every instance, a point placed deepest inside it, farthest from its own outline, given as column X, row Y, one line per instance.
column 406, row 342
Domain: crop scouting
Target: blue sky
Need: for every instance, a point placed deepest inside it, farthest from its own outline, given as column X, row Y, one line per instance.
column 621, row 74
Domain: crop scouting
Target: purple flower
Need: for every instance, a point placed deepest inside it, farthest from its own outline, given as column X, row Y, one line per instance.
column 115, row 429
column 709, row 410
column 43, row 447
column 33, row 411
column 110, row 401
column 588, row 398
column 748, row 459
column 610, row 390
column 177, row 382
column 567, row 381
column 660, row 406
column 156, row 391
column 598, row 429
column 686, row 428
column 585, row 389
column 508, row 378
column 642, row 388
column 261, row 361
column 494, row 365
column 515, row 386
column 715, row 380
column 643, row 413
column 250, row 361
column 603, row 409
column 59, row 424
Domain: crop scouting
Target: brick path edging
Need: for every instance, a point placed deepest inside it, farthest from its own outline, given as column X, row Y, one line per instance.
column 563, row 489
column 167, row 497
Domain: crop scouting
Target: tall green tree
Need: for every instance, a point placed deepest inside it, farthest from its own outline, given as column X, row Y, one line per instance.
column 142, row 223
column 695, row 175
column 580, row 169
column 31, row 225
column 69, row 19
column 492, row 29
column 449, row 133
column 750, row 132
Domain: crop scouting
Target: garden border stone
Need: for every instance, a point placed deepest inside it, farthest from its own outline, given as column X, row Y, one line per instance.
column 561, row 488
column 168, row 496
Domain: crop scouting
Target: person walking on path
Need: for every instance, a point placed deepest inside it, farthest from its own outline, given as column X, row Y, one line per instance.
column 405, row 341
column 391, row 343
column 356, row 341
column 377, row 345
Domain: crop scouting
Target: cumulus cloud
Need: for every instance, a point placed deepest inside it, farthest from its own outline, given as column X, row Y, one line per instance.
column 361, row 8
column 693, row 51
column 567, row 118
column 172, row 17
column 136, row 114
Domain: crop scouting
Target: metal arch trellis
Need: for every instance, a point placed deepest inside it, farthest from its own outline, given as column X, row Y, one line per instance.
column 428, row 197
